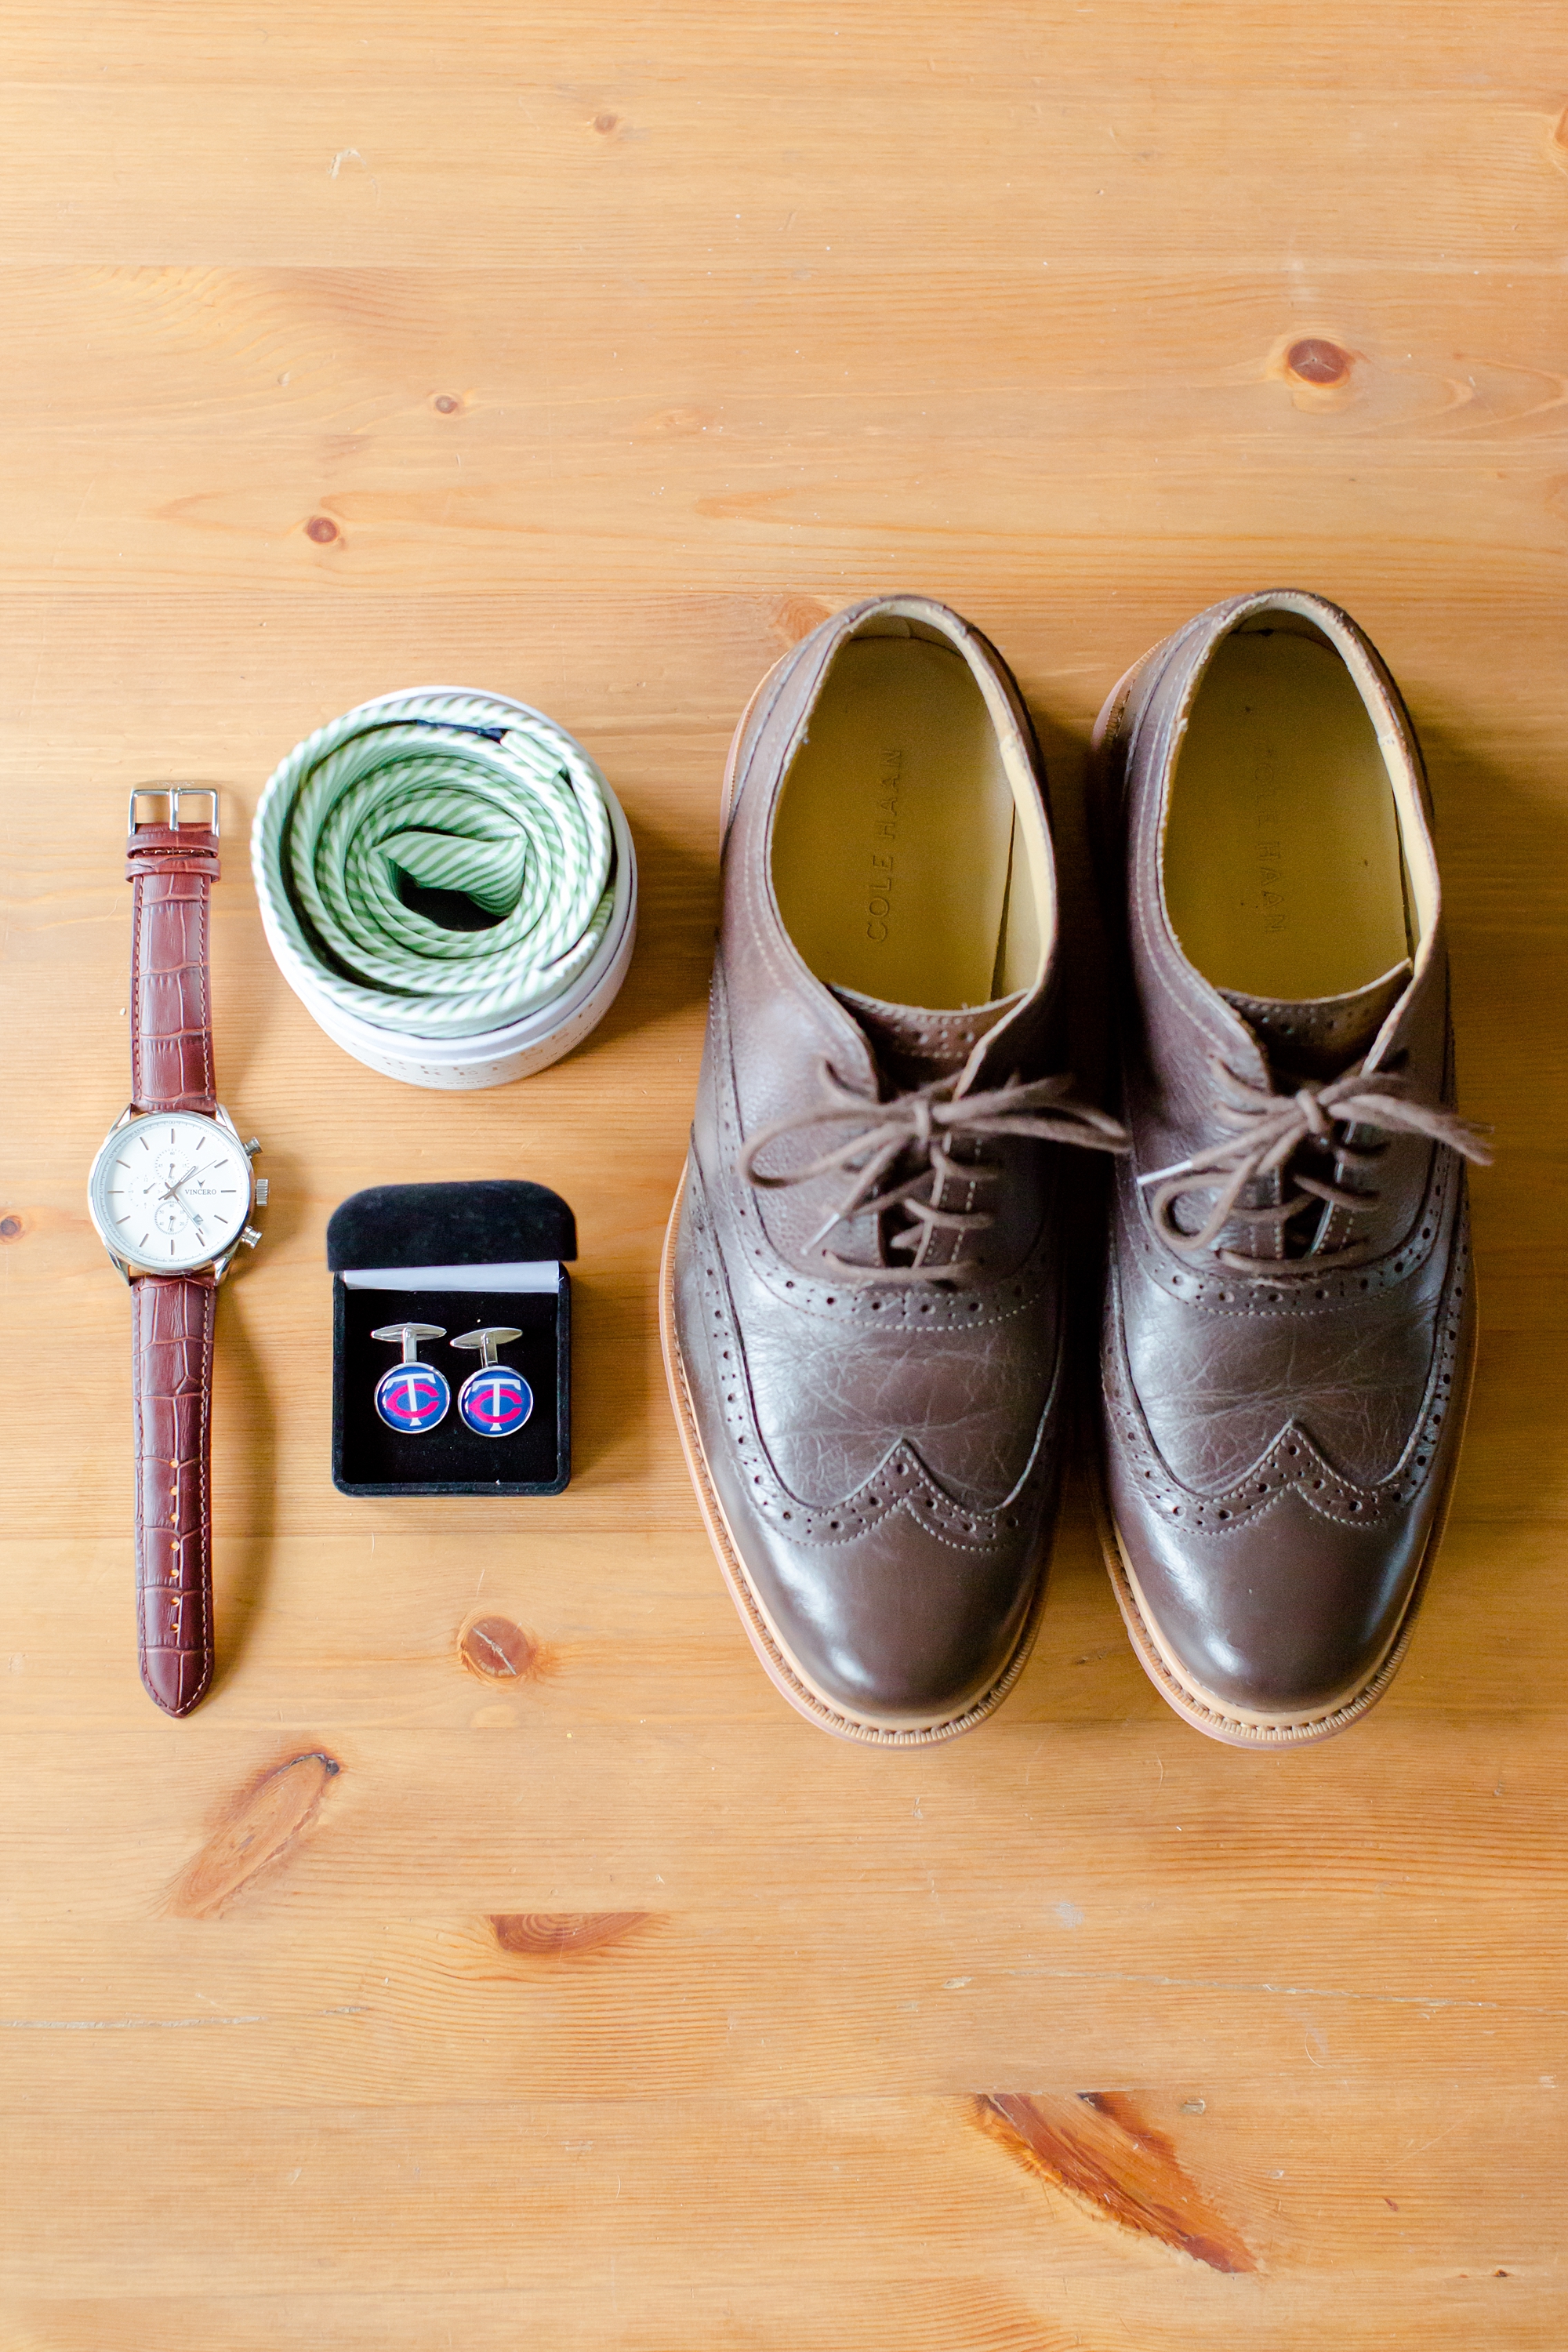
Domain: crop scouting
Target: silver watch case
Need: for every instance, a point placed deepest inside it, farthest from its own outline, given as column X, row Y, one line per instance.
column 248, row 1236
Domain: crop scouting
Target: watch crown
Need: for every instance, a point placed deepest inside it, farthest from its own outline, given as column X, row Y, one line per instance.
column 262, row 1189
column 253, row 1144
column 250, row 1237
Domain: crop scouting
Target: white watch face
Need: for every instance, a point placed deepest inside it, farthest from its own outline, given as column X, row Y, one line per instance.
column 170, row 1190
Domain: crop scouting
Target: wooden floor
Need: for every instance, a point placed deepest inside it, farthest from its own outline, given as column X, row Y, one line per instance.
column 593, row 355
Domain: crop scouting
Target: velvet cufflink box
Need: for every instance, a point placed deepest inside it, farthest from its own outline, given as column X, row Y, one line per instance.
column 464, row 1257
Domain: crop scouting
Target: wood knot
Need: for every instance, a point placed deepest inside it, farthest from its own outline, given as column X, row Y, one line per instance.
column 321, row 528
column 263, row 1821
column 604, row 124
column 502, row 1652
column 560, row 1935
column 445, row 404
column 11, row 1229
column 1098, row 2150
column 1314, row 360
column 672, row 424
column 794, row 616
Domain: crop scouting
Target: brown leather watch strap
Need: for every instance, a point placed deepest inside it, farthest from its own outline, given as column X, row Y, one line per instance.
column 172, row 1349
column 173, row 868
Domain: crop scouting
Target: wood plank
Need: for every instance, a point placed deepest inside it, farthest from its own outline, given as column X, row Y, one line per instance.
column 362, row 1626
column 1074, row 1985
column 1221, row 45
column 447, row 2187
column 270, row 173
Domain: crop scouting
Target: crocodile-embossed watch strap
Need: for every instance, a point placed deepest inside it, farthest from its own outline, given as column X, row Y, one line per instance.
column 172, row 1346
column 173, row 869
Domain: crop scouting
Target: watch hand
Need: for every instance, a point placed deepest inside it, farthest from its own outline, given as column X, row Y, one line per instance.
column 173, row 1191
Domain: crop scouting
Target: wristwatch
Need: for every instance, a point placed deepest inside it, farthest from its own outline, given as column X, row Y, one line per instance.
column 172, row 1195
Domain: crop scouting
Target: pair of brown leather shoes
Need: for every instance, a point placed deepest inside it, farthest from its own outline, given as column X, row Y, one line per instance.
column 863, row 1298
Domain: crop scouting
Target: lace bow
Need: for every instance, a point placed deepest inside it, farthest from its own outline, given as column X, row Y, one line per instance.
column 927, row 1123
column 1268, row 1129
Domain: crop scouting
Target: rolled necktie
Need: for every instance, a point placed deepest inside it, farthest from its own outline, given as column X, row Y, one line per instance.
column 440, row 789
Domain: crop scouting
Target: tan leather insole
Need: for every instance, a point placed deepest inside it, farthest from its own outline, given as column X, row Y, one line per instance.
column 893, row 841
column 1282, row 858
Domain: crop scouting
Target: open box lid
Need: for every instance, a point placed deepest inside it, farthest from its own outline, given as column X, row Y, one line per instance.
column 489, row 1222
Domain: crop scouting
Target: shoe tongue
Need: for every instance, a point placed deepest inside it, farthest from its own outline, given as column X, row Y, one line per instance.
column 913, row 1046
column 1321, row 1036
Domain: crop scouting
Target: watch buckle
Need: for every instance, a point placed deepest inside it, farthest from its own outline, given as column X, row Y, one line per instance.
column 173, row 795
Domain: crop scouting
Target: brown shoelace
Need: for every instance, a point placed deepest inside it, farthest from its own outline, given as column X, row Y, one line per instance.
column 1268, row 1129
column 928, row 1123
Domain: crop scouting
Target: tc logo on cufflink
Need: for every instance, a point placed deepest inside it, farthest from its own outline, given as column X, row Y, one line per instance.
column 495, row 1400
column 411, row 1397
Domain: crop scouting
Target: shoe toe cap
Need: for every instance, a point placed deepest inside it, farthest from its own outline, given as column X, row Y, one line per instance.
column 1284, row 1616
column 897, row 1628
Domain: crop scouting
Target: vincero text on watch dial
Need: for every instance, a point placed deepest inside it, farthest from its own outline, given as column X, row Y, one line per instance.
column 170, row 1190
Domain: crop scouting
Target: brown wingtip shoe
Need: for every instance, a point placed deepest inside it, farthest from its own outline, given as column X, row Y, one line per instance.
column 1289, row 1320
column 862, row 1296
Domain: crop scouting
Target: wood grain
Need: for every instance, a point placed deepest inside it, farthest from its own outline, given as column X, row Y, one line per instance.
column 493, row 1959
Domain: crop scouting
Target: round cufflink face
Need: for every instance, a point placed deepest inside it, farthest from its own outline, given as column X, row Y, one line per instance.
column 412, row 1398
column 495, row 1400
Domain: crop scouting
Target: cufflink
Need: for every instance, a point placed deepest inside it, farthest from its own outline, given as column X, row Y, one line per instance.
column 495, row 1400
column 411, row 1397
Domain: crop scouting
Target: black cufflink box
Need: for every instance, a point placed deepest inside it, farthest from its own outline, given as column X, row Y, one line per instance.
column 462, row 1257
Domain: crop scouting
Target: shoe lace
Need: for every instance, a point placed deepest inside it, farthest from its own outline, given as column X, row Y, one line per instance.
column 1269, row 1129
column 927, row 1124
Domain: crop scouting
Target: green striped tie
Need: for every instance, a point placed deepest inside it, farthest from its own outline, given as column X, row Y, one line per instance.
column 454, row 792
